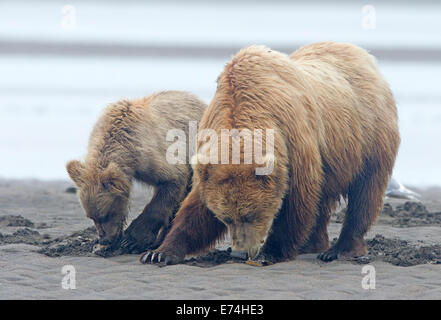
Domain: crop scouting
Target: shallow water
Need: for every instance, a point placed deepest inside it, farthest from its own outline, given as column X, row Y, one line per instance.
column 48, row 104
column 213, row 23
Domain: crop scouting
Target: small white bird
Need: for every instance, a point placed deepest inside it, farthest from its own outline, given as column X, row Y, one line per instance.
column 397, row 190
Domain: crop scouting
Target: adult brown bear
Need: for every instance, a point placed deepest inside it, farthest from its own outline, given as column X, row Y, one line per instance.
column 336, row 133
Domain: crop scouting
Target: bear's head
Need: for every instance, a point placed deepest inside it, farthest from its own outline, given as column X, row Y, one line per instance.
column 104, row 195
column 244, row 201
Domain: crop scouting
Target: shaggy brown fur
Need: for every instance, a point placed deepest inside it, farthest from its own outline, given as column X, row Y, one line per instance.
column 129, row 142
column 336, row 134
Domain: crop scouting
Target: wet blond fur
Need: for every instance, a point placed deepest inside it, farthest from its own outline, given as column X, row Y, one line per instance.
column 336, row 135
column 129, row 142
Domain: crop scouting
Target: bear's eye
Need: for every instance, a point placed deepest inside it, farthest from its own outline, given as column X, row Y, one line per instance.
column 225, row 180
column 249, row 218
column 102, row 220
column 106, row 185
column 228, row 220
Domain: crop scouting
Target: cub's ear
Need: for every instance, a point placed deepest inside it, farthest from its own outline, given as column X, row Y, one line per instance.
column 75, row 170
column 114, row 180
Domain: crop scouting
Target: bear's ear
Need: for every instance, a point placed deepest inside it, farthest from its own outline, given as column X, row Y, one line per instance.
column 75, row 170
column 113, row 180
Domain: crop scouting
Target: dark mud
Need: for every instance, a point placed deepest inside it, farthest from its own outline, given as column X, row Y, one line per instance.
column 19, row 221
column 398, row 252
column 411, row 214
column 395, row 251
column 82, row 243
column 25, row 235
column 408, row 214
column 79, row 243
column 213, row 258
column 15, row 221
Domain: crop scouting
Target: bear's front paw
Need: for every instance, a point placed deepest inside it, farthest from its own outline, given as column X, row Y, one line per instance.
column 103, row 251
column 130, row 245
column 133, row 242
column 137, row 237
column 160, row 257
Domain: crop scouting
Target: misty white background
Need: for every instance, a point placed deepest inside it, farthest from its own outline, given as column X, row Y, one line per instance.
column 48, row 103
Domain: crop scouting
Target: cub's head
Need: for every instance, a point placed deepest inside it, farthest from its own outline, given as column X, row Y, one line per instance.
column 104, row 194
column 245, row 202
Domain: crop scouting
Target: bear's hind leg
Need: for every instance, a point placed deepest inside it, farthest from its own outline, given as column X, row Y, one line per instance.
column 365, row 198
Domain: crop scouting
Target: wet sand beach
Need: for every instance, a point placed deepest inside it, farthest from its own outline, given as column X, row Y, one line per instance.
column 43, row 228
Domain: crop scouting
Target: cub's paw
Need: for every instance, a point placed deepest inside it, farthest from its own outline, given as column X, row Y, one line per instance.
column 154, row 257
column 130, row 244
column 137, row 237
column 103, row 251
column 136, row 243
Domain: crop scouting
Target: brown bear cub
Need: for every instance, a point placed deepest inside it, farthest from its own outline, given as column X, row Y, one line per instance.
column 335, row 134
column 129, row 142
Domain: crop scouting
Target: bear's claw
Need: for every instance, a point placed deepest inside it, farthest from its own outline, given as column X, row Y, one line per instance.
column 158, row 257
column 132, row 242
column 328, row 255
column 124, row 243
column 146, row 257
column 128, row 244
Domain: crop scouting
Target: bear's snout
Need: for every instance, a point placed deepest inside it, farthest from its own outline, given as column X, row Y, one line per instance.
column 109, row 240
column 239, row 254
